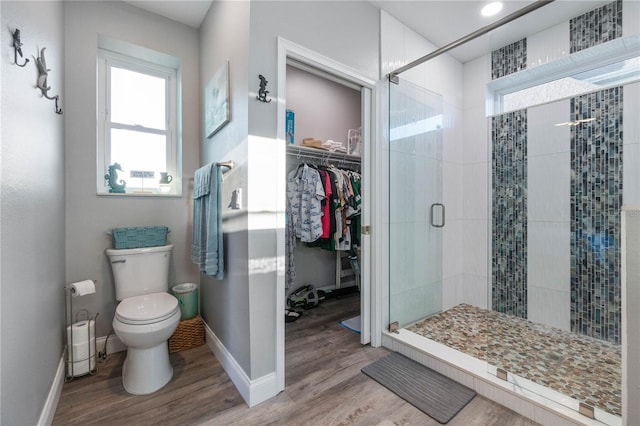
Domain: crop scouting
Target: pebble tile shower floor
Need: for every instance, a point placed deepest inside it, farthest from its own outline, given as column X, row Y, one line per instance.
column 584, row 368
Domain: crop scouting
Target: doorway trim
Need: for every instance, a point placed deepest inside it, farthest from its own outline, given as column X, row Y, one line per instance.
column 286, row 50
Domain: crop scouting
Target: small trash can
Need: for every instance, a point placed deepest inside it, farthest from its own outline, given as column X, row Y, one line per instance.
column 187, row 295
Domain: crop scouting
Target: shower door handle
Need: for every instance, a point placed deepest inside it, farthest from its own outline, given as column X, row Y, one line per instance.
column 119, row 261
column 433, row 216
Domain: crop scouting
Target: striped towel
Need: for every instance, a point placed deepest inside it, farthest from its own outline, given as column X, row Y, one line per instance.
column 207, row 244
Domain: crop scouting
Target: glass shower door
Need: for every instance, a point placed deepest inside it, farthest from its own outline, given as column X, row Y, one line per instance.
column 416, row 212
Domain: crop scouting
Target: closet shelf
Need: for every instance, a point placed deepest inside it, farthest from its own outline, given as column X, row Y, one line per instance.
column 305, row 152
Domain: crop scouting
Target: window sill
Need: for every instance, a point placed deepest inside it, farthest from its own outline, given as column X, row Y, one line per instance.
column 140, row 194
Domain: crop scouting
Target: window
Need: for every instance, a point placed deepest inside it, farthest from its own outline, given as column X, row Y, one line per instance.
column 137, row 103
column 606, row 65
column 615, row 74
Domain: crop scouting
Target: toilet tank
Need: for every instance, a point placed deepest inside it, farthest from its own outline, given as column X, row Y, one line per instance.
column 140, row 271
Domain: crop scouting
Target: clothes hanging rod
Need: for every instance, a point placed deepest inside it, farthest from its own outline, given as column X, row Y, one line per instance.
column 393, row 76
column 336, row 157
column 327, row 159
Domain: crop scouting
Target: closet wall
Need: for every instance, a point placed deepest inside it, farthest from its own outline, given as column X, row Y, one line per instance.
column 324, row 110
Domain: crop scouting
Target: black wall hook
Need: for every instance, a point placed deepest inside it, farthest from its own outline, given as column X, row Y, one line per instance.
column 17, row 48
column 43, row 73
column 262, row 92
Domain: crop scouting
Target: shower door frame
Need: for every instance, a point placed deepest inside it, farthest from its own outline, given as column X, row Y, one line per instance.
column 422, row 219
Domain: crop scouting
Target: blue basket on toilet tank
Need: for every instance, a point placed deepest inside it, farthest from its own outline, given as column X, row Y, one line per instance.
column 139, row 237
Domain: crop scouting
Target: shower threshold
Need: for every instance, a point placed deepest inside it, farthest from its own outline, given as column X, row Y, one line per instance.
column 467, row 364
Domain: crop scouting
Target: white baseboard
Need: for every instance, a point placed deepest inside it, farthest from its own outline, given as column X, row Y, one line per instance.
column 51, row 404
column 253, row 391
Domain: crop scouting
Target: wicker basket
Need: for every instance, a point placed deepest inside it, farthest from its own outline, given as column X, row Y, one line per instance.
column 188, row 335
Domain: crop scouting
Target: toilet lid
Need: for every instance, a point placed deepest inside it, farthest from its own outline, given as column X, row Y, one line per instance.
column 147, row 308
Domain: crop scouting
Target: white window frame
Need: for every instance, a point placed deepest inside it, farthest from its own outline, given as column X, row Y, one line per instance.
column 106, row 60
column 601, row 55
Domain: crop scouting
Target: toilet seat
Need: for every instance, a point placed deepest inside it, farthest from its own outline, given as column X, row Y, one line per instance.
column 146, row 309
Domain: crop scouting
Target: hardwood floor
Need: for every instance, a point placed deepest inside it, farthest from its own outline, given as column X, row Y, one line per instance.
column 324, row 386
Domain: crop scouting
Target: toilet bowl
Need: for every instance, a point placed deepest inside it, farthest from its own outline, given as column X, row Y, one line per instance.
column 145, row 323
column 146, row 316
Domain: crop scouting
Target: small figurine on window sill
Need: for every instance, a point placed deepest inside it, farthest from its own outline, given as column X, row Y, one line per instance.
column 112, row 178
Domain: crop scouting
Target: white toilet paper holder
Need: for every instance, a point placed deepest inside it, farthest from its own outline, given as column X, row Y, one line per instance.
column 85, row 365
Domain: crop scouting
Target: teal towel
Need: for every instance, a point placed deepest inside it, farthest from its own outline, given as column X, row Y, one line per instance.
column 207, row 242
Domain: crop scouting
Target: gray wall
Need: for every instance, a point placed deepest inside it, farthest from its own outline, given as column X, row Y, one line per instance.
column 31, row 213
column 89, row 216
column 224, row 36
column 240, row 309
column 324, row 109
column 347, row 32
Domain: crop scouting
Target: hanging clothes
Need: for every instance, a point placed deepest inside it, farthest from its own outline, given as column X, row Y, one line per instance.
column 356, row 216
column 323, row 210
column 305, row 193
column 290, row 232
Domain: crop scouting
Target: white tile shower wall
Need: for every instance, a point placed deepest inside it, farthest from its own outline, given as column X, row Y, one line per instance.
column 472, row 285
column 450, row 287
column 548, row 265
column 631, row 176
column 472, row 289
column 453, row 199
column 452, row 196
column 549, row 307
column 475, row 136
column 630, row 17
column 392, row 54
column 631, row 149
column 548, row 194
column 452, row 243
column 453, row 133
column 474, row 181
column 547, row 138
column 548, row 45
column 476, row 74
column 475, row 242
column 549, row 255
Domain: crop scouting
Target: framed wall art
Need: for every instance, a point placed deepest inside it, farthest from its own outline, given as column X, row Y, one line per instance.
column 216, row 101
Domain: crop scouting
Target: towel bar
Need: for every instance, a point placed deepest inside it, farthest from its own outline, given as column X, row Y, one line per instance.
column 229, row 164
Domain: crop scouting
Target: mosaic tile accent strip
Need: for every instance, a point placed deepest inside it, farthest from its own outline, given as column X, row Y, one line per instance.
column 596, row 199
column 509, row 206
column 596, row 27
column 509, row 59
column 586, row 369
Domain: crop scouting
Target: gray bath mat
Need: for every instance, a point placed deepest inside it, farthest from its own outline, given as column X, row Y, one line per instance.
column 436, row 395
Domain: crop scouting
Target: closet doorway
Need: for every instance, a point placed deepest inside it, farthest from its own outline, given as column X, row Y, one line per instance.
column 326, row 110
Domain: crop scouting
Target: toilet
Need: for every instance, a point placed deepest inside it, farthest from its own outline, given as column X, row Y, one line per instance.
column 145, row 317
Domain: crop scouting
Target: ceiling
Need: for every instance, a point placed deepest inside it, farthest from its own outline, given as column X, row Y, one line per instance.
column 189, row 12
column 439, row 21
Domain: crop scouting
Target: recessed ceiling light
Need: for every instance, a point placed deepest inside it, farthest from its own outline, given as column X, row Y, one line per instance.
column 491, row 9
